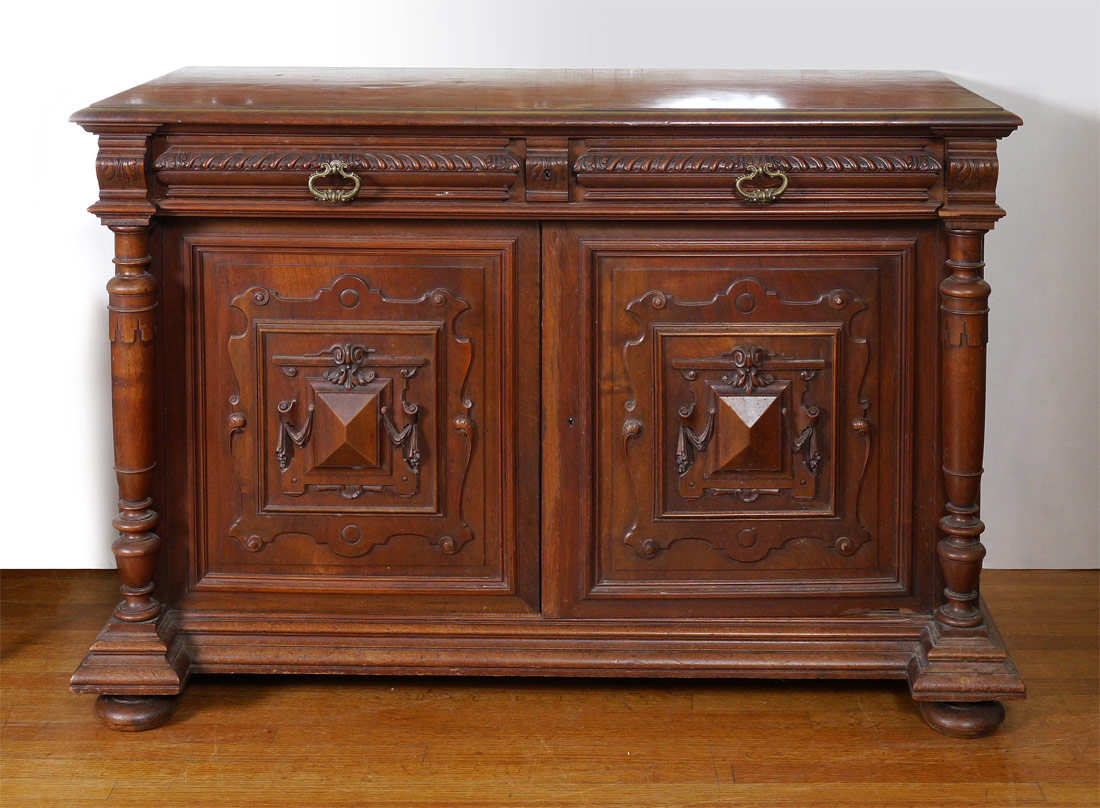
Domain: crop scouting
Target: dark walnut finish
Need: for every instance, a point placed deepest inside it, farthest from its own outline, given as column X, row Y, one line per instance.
column 567, row 373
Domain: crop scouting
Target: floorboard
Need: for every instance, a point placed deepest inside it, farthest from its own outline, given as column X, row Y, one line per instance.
column 376, row 741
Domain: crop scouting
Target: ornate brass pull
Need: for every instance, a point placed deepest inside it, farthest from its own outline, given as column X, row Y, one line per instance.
column 762, row 194
column 334, row 194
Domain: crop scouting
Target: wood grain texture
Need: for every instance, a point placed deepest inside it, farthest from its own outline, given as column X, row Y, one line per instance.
column 351, row 741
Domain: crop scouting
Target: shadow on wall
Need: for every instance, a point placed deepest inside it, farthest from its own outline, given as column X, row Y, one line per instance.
column 103, row 534
column 1041, row 493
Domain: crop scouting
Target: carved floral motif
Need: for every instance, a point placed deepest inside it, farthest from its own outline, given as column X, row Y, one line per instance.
column 119, row 171
column 748, row 371
column 971, row 173
column 349, row 371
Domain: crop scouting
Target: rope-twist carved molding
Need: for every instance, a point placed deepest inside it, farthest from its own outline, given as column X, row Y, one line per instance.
column 404, row 161
column 597, row 162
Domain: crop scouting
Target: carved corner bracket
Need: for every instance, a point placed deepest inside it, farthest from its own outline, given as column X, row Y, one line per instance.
column 970, row 186
column 124, row 186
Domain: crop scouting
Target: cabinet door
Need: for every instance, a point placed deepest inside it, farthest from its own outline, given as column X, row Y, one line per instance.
column 360, row 390
column 732, row 409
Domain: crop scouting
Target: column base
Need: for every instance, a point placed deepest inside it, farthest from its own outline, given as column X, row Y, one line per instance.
column 963, row 665
column 135, row 659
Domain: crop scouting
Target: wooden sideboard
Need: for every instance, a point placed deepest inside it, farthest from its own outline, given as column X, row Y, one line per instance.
column 615, row 373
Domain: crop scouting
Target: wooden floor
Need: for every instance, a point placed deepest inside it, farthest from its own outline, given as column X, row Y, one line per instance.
column 346, row 741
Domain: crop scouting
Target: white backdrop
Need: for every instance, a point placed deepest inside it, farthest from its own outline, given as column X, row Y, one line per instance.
column 1038, row 59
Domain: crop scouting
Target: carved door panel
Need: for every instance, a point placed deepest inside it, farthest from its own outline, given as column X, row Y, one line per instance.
column 751, row 436
column 361, row 408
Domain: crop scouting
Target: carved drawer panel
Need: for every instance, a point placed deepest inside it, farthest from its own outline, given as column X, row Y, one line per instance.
column 359, row 415
column 195, row 171
column 764, row 174
column 751, row 419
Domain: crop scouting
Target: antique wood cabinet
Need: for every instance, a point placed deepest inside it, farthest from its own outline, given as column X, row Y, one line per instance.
column 623, row 373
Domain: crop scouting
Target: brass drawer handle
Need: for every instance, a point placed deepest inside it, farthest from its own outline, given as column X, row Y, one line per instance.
column 762, row 194
column 334, row 194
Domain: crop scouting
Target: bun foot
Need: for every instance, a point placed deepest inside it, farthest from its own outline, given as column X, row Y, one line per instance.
column 963, row 719
column 134, row 713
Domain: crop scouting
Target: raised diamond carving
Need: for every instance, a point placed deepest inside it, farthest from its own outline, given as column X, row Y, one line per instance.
column 749, row 433
column 346, row 429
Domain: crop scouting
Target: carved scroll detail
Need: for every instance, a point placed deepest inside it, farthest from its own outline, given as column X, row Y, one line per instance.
column 236, row 423
column 748, row 372
column 349, row 359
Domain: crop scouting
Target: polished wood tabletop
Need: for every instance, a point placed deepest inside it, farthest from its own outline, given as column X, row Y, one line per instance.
column 229, row 95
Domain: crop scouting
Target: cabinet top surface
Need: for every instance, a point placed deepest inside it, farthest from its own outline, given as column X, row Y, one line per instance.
column 547, row 98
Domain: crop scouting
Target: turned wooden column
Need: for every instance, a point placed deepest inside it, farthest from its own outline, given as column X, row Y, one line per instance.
column 964, row 306
column 132, row 330
column 961, row 673
column 137, row 664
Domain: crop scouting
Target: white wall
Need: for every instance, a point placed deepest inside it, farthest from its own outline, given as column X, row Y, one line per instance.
column 1039, row 59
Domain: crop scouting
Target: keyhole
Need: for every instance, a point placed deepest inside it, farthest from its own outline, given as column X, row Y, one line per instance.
column 570, row 420
column 546, row 174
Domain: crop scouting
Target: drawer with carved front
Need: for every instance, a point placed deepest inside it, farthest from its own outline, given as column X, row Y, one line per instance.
column 333, row 175
column 763, row 175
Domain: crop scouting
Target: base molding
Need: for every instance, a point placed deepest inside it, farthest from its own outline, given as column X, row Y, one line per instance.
column 963, row 665
column 135, row 659
column 866, row 647
column 959, row 676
